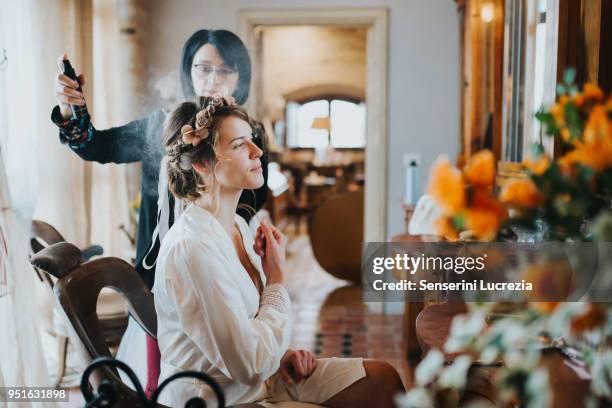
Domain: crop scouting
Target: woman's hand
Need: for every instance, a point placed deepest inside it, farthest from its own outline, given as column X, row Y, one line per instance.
column 66, row 91
column 297, row 365
column 270, row 244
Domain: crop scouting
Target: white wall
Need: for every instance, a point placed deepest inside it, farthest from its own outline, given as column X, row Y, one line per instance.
column 329, row 57
column 423, row 70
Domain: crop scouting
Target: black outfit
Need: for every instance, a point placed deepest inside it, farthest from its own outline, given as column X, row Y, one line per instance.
column 140, row 140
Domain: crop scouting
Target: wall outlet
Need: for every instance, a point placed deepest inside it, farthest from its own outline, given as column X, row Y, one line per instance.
column 413, row 157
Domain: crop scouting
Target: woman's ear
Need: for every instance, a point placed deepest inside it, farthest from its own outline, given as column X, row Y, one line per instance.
column 201, row 167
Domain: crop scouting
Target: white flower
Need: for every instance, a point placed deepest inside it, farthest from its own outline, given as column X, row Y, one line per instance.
column 415, row 398
column 455, row 375
column 601, row 373
column 428, row 369
column 537, row 389
column 489, row 354
column 464, row 330
column 513, row 358
column 514, row 334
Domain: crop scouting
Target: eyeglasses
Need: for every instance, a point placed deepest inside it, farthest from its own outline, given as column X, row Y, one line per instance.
column 205, row 70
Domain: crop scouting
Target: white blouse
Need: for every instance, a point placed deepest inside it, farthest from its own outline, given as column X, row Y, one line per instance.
column 210, row 315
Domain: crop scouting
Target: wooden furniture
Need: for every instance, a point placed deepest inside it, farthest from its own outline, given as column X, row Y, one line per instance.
column 336, row 235
column 408, row 211
column 44, row 234
column 342, row 173
column 278, row 196
column 433, row 328
column 113, row 316
column 411, row 309
column 318, row 189
column 77, row 290
column 277, row 204
column 113, row 322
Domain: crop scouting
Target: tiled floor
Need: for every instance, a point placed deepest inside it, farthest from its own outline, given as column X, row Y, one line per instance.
column 330, row 317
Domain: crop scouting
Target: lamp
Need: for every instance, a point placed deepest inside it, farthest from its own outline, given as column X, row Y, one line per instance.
column 487, row 12
column 321, row 122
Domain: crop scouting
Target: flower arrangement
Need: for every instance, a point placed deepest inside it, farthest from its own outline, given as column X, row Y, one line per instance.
column 466, row 198
column 571, row 196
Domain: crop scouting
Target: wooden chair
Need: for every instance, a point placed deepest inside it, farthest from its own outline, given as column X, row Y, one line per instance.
column 114, row 320
column 44, row 234
column 337, row 234
column 77, row 289
column 113, row 317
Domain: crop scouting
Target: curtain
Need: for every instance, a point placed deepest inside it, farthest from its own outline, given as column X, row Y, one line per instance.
column 21, row 358
column 63, row 196
column 109, row 200
column 85, row 201
column 41, row 178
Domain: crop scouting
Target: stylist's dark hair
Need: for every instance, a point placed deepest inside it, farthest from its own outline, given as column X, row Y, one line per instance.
column 231, row 49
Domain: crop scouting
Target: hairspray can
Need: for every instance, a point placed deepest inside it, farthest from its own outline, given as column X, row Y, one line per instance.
column 78, row 111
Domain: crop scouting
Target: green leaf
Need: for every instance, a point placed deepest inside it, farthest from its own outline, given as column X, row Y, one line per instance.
column 569, row 76
column 573, row 91
column 548, row 122
column 572, row 117
column 560, row 90
column 585, row 173
column 458, row 222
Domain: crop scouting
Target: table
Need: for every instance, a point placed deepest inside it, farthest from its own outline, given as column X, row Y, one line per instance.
column 433, row 327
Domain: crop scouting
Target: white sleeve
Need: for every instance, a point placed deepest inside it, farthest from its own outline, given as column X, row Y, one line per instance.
column 214, row 316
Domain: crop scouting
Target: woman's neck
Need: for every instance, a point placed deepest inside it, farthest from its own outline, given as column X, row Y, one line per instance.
column 228, row 203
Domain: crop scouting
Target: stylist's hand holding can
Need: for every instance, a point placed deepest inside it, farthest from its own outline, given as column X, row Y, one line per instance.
column 66, row 90
column 271, row 245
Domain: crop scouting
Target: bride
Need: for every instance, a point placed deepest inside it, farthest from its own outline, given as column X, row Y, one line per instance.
column 221, row 305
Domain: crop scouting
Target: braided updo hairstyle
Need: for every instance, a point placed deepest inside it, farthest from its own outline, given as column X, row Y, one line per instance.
column 183, row 180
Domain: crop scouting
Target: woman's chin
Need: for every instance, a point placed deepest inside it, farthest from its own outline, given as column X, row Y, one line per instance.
column 254, row 182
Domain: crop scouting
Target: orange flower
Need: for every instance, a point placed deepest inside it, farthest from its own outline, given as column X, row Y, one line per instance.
column 552, row 282
column 579, row 100
column 592, row 91
column 446, row 186
column 520, row 193
column 557, row 111
column 596, row 155
column 565, row 134
column 544, row 307
column 446, row 229
column 598, row 126
column 485, row 215
column 595, row 148
column 566, row 164
column 480, row 169
column 594, row 317
column 539, row 166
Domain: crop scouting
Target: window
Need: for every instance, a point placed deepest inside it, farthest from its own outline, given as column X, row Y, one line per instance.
column 530, row 73
column 346, row 129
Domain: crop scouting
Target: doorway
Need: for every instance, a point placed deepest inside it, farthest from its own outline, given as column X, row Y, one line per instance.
column 374, row 22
